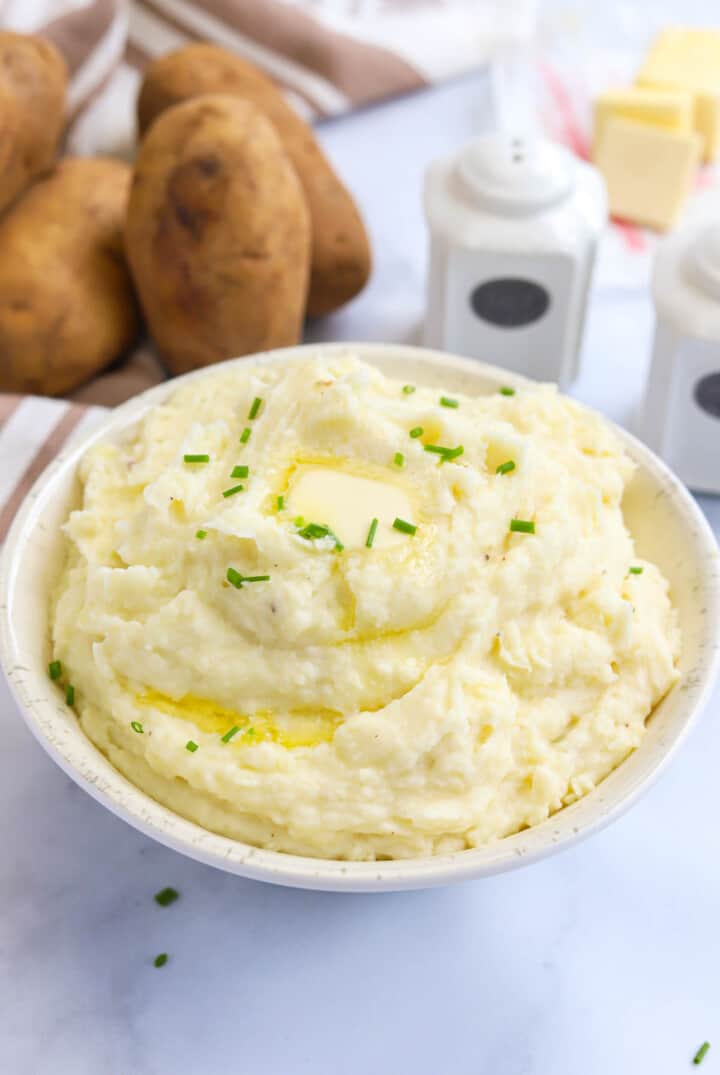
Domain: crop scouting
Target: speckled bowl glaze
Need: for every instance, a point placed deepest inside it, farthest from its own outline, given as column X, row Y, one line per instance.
column 668, row 528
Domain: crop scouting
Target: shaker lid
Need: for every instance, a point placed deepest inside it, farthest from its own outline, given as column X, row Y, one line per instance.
column 515, row 175
column 703, row 259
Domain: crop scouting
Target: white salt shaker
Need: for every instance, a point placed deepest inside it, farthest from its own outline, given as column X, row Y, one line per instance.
column 681, row 414
column 514, row 225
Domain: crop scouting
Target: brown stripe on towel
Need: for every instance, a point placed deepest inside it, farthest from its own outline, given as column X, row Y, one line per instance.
column 78, row 33
column 136, row 56
column 361, row 71
column 44, row 455
column 8, row 406
column 87, row 102
column 171, row 18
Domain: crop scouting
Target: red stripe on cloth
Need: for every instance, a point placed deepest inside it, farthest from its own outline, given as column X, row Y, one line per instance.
column 573, row 134
column 633, row 236
column 576, row 139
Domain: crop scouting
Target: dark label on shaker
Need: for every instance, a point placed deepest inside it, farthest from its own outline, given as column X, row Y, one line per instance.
column 510, row 302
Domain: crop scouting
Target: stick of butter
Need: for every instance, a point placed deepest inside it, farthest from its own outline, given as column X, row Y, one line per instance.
column 648, row 170
column 687, row 58
column 668, row 108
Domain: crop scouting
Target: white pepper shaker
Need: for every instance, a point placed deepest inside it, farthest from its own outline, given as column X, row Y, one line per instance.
column 514, row 224
column 681, row 413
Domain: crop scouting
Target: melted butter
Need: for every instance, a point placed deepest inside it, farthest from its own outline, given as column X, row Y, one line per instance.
column 347, row 502
column 432, row 432
column 297, row 728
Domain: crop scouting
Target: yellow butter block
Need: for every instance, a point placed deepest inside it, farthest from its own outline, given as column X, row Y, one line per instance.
column 671, row 109
column 688, row 58
column 649, row 171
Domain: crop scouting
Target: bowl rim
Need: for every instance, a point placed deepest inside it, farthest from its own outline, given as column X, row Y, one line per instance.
column 150, row 817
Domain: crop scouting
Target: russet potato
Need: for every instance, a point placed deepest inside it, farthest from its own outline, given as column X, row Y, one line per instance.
column 218, row 234
column 67, row 307
column 340, row 247
column 33, row 78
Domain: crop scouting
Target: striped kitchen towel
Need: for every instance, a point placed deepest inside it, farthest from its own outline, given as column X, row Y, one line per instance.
column 32, row 432
column 329, row 56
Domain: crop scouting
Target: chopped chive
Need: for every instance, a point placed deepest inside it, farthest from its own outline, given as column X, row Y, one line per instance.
column 299, row 520
column 522, row 526
column 196, row 459
column 446, row 453
column 506, row 391
column 317, row 531
column 408, row 389
column 201, row 534
column 238, row 581
column 233, row 490
column 229, row 734
column 452, row 453
column 250, row 731
column 417, row 432
column 256, row 405
column 55, row 669
column 404, row 528
column 245, row 435
column 701, row 1053
column 399, row 459
column 371, row 534
column 166, row 896
column 636, row 571
column 505, row 468
column 137, row 727
column 314, row 531
column 70, row 694
column 446, row 401
column 280, row 503
column 239, row 472
column 192, row 747
column 234, row 578
column 161, row 960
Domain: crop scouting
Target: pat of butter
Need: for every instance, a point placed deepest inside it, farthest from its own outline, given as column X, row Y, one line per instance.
column 348, row 503
column 689, row 58
column 671, row 109
column 649, row 171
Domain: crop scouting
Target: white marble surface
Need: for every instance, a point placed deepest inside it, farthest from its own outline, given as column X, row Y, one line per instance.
column 601, row 960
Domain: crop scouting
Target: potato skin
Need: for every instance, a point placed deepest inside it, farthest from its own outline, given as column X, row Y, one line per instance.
column 33, row 77
column 341, row 250
column 217, row 234
column 67, row 307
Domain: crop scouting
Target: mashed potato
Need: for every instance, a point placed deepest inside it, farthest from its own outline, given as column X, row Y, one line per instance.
column 252, row 650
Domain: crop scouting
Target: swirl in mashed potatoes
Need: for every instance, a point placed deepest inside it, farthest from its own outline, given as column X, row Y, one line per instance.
column 264, row 665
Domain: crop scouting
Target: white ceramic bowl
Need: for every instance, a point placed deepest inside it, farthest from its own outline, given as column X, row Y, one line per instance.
column 668, row 528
